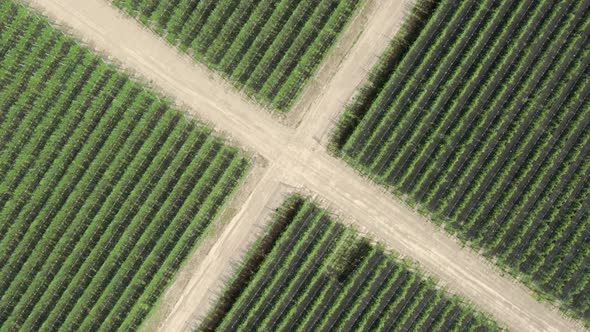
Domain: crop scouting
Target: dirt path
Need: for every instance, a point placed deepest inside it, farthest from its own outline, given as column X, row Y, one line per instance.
column 297, row 158
column 216, row 267
column 384, row 19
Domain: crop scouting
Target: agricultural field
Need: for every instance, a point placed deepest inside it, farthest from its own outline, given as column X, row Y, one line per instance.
column 310, row 273
column 268, row 48
column 104, row 189
column 479, row 113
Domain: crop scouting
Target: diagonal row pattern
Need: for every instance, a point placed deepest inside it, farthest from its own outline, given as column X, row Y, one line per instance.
column 104, row 188
column 310, row 273
column 485, row 122
column 299, row 161
column 268, row 47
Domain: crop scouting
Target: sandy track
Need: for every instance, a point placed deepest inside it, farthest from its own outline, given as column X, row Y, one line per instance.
column 216, row 267
column 297, row 158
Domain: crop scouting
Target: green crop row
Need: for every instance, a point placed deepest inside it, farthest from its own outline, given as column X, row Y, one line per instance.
column 269, row 48
column 481, row 117
column 309, row 272
column 104, row 189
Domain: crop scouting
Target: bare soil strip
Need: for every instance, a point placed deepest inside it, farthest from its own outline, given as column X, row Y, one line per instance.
column 215, row 268
column 296, row 157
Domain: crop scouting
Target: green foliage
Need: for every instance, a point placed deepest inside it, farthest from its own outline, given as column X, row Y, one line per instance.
column 104, row 189
column 269, row 48
column 479, row 113
column 318, row 275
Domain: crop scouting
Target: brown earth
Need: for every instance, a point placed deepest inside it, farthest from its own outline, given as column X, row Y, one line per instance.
column 296, row 161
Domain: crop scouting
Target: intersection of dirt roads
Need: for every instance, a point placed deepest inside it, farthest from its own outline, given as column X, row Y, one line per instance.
column 290, row 156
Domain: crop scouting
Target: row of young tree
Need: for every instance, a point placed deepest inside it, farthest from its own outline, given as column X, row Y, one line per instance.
column 105, row 188
column 479, row 112
column 310, row 273
column 269, row 48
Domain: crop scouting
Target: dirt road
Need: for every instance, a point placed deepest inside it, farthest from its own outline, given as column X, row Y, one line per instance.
column 296, row 157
